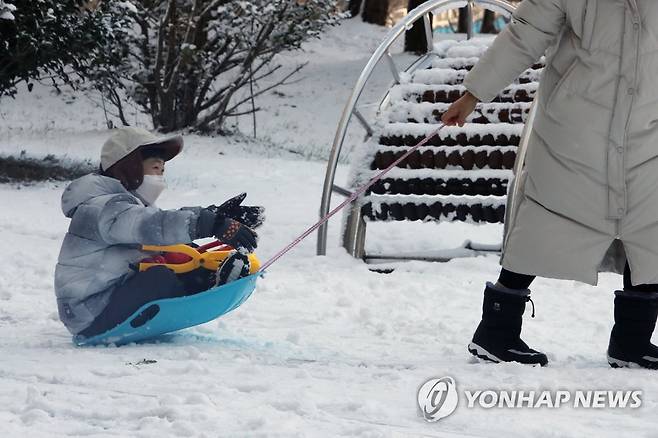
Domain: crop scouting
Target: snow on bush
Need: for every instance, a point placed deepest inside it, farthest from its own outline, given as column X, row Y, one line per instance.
column 186, row 64
column 48, row 40
column 6, row 10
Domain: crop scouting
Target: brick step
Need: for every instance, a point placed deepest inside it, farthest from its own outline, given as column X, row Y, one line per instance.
column 426, row 112
column 450, row 93
column 450, row 208
column 467, row 63
column 441, row 186
column 467, row 158
column 471, row 134
column 451, row 76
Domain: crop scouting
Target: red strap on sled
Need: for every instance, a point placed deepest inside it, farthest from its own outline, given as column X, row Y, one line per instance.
column 214, row 244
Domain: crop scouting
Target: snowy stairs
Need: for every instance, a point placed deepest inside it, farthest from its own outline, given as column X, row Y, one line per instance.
column 426, row 112
column 463, row 172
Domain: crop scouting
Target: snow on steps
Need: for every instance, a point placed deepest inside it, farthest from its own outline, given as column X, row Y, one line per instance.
column 451, row 76
column 447, row 93
column 467, row 62
column 462, row 173
column 426, row 112
column 499, row 131
column 446, row 157
column 471, row 209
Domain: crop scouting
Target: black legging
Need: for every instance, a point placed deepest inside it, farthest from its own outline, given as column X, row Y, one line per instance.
column 513, row 280
column 153, row 284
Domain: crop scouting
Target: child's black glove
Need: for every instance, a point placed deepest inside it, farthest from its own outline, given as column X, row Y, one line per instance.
column 251, row 216
column 236, row 234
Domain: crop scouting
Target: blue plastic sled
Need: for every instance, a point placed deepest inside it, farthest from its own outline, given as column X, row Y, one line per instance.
column 171, row 314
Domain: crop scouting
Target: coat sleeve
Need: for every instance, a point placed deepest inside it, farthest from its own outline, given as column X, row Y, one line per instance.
column 123, row 221
column 535, row 24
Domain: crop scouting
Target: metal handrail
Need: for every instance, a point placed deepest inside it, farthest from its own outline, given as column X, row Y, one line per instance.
column 421, row 12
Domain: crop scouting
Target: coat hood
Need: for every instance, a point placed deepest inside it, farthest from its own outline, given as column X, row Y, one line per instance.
column 86, row 188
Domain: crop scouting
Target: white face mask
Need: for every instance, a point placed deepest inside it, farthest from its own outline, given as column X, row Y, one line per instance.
column 151, row 188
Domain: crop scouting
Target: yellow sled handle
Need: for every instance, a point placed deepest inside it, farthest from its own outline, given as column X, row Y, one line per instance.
column 210, row 260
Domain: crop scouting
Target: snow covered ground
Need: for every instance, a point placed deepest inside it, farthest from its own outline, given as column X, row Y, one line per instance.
column 324, row 347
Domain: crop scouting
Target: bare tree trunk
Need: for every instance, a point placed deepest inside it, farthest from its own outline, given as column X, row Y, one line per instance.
column 488, row 25
column 192, row 78
column 414, row 38
column 354, row 7
column 376, row 11
column 462, row 26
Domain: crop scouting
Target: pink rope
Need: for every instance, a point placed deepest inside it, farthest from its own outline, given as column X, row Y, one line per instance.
column 355, row 195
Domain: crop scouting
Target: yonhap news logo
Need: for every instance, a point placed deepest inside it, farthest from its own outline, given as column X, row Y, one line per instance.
column 438, row 398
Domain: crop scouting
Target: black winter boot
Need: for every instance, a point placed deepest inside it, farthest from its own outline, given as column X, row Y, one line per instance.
column 235, row 266
column 635, row 319
column 497, row 337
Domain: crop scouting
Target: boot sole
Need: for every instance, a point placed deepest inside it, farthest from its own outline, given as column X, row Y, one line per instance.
column 618, row 363
column 482, row 353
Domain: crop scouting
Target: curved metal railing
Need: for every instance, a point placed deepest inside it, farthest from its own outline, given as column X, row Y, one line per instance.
column 353, row 240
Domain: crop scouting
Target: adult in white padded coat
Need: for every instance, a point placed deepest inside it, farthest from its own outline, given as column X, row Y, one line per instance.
column 589, row 185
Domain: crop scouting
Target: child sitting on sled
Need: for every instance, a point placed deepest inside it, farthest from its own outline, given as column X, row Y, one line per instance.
column 113, row 214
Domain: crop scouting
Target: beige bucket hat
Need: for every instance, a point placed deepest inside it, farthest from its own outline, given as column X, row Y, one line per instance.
column 125, row 141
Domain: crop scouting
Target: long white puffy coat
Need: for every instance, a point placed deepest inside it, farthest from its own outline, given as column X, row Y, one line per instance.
column 591, row 173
